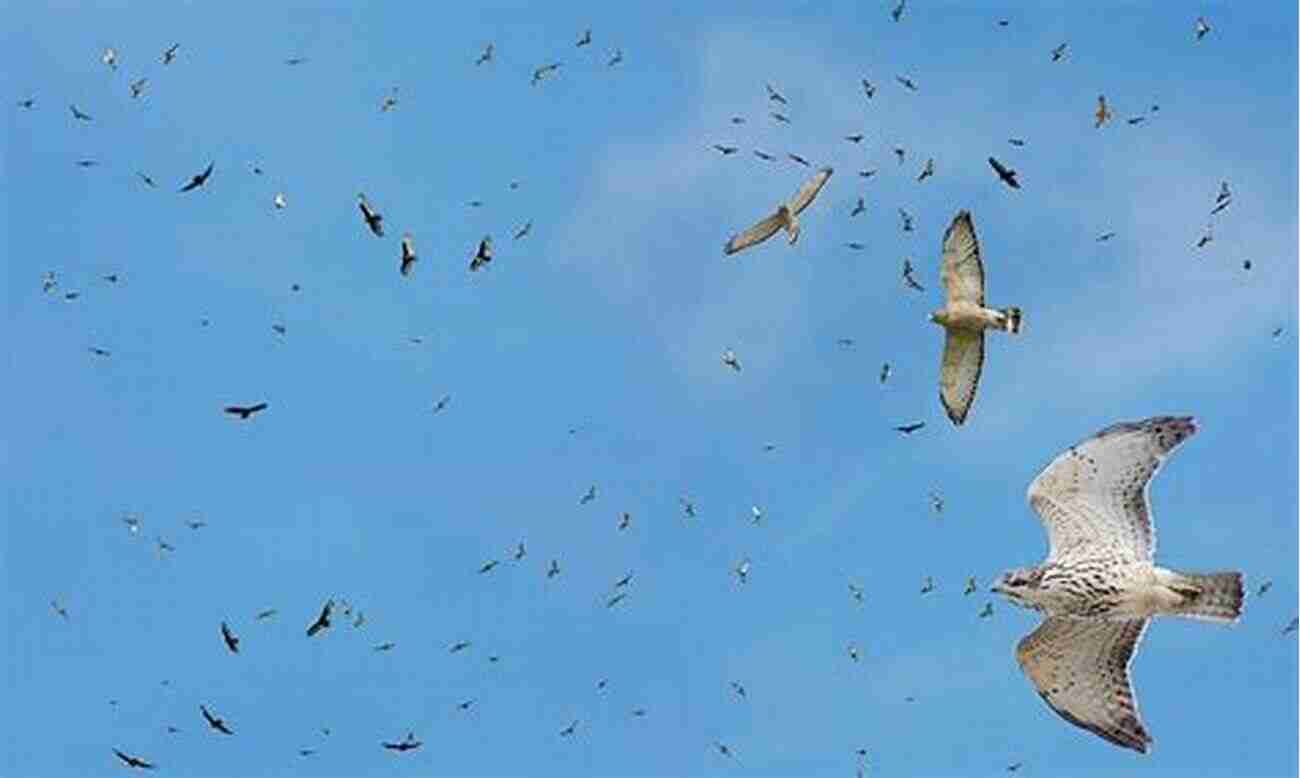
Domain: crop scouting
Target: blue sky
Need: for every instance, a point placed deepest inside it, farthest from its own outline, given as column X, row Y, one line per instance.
column 609, row 319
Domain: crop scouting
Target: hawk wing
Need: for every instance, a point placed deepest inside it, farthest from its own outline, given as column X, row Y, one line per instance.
column 756, row 234
column 961, row 269
column 1080, row 669
column 808, row 192
column 963, row 360
column 1093, row 498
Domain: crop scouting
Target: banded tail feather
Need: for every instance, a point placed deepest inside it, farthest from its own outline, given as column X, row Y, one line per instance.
column 1012, row 321
column 1210, row 596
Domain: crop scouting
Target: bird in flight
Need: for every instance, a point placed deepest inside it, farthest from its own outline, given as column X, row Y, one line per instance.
column 901, row 153
column 926, row 171
column 1105, row 236
column 908, row 429
column 625, row 520
column 907, row 83
column 488, row 565
column 78, row 115
column 774, row 95
column 725, row 150
column 616, row 599
column 486, row 56
column 133, row 761
column 1005, row 173
column 482, row 255
column 780, row 117
column 856, row 592
column 245, row 411
column 927, row 585
column 970, row 586
column 1102, row 114
column 27, row 103
column 408, row 255
column 1099, row 586
column 442, row 403
column 569, row 730
column 868, row 88
column 986, row 611
column 906, row 218
column 553, row 570
column 389, row 102
column 323, row 620
column 741, row 571
column 232, row 640
column 137, row 87
column 763, row 155
column 867, row 173
column 799, row 159
column 524, row 230
column 279, row 202
column 730, row 359
column 1135, row 121
column 543, row 71
column 936, row 502
column 615, row 59
column 374, row 219
column 1058, row 53
column 854, row 138
column 169, row 54
column 739, row 689
column 897, row 13
column 908, row 278
column 216, row 723
column 1205, row 238
column 1202, row 27
column 265, row 614
column 964, row 318
column 459, row 646
column 100, row 352
column 409, row 743
column 198, row 180
column 520, row 552
column 755, row 514
column 58, row 608
column 1016, row 141
column 860, row 207
column 885, row 370
column 786, row 216
column 295, row 61
column 86, row 163
column 853, row 652
column 1263, row 588
column 1292, row 627
column 588, row 496
column 688, row 507
column 110, row 57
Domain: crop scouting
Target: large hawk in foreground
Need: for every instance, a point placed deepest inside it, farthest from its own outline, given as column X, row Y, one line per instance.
column 786, row 216
column 1099, row 585
column 964, row 318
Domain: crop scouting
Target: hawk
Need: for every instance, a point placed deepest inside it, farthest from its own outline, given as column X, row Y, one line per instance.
column 786, row 216
column 1099, row 586
column 964, row 318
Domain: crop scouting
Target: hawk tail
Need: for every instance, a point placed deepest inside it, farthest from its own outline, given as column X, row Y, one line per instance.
column 1211, row 596
column 1012, row 321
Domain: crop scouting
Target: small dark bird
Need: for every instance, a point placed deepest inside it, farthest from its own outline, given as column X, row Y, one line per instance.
column 133, row 761
column 909, row 279
column 1016, row 141
column 545, row 70
column 374, row 219
column 1003, row 22
column 146, row 179
column 295, row 60
column 936, row 502
column 869, row 88
column 739, row 689
column 908, row 429
column 554, row 569
column 763, row 155
column 100, row 352
column 232, row 640
column 856, row 592
column 780, row 117
column 169, row 54
column 483, row 254
column 524, row 230
column 906, row 82
column 466, row 705
column 1007, row 175
column 625, row 520
column 265, row 614
column 1277, row 332
column 853, row 244
column 86, row 163
column 389, row 102
column 58, row 608
column 1220, row 206
column 1202, row 27
column 867, row 173
column 774, row 95
column 970, row 586
column 588, row 496
column 1263, row 588
column 323, row 620
column 198, row 180
column 725, row 150
column 854, row 138
column 1292, row 627
column 306, row 752
column 885, row 370
column 861, row 207
column 897, row 13
column 901, row 153
column 137, row 87
column 907, row 220
column 486, row 56
column 1205, row 239
column 488, row 565
column 28, row 103
column 214, row 722
column 79, row 116
column 799, row 159
column 987, row 611
column 1105, row 236
column 688, row 507
column 442, row 403
column 737, row 120
column 927, row 585
column 730, row 359
column 1014, row 766
column 585, row 39
column 279, row 329
column 385, row 647
column 245, row 411
column 408, row 255
column 616, row 599
column 639, row 712
column 1102, row 114
column 615, row 59
column 1058, row 53
column 1225, row 193
column 459, row 646
column 196, row 523
column 408, row 744
column 1245, row 265
column 1136, row 120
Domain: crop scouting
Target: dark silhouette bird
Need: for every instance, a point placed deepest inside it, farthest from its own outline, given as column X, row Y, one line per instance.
column 970, row 586
column 27, row 103
column 730, row 359
column 615, row 59
column 133, row 761
column 100, row 352
column 524, row 230
column 442, row 403
column 739, row 689
column 774, row 95
column 926, row 171
column 763, row 155
column 385, row 647
column 1206, row 238
column 482, row 255
column 588, row 496
column 520, row 551
column 624, row 581
column 897, row 13
column 1136, row 120
column 295, row 61
column 554, row 569
column 196, row 523
column 147, row 179
column 1221, row 206
column 1105, row 236
column 856, row 592
column 198, row 180
column 1291, row 627
column 1005, row 173
column 265, row 614
column 1016, row 141
column 856, row 246
column 907, row 83
column 408, row 255
column 409, row 743
column 488, row 565
column 1263, row 588
column 374, row 219
column 885, row 370
column 245, row 411
column 543, row 71
column 58, row 608
column 725, row 150
column 688, row 507
column 907, row 220
column 232, row 640
column 799, row 159
column 1058, row 53
column 169, row 54
column 927, row 585
column 1202, row 27
column 901, row 153
column 279, row 329
column 936, row 502
column 861, row 207
column 616, row 599
column 87, row 162
column 585, row 38
column 854, row 138
column 466, row 705
column 306, row 752
column 867, row 173
column 323, row 620
column 459, row 646
column 79, row 116
column 1102, row 114
column 569, row 730
column 845, row 342
column 986, row 611
column 1014, row 766
column 868, row 88
column 216, row 723
column 780, row 117
column 908, row 429
column 137, row 87
column 389, row 102
column 486, row 55
column 625, row 520
column 908, row 278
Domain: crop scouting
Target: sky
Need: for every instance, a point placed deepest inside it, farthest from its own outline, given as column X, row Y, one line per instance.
column 588, row 353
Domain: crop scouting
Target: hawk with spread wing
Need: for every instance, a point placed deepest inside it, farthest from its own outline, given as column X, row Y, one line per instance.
column 964, row 318
column 1099, row 586
column 786, row 216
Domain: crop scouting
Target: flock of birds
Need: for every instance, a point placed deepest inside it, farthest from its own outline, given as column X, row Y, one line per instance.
column 964, row 318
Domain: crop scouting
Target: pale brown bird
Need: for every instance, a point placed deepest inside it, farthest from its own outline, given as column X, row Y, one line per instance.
column 786, row 216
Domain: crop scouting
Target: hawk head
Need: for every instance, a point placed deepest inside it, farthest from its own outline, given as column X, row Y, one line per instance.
column 1021, row 586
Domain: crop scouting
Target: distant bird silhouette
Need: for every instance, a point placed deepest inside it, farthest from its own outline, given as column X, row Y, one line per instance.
column 100, row 352
column 1007, row 175
column 459, row 646
column 408, row 255
column 867, row 173
column 1105, row 236
column 725, row 150
column 741, row 571
column 265, row 614
column 615, row 59
column 543, row 71
column 488, row 565
column 133, row 761
column 374, row 219
column 86, row 163
column 688, row 507
column 936, row 502
column 1102, row 114
column 909, row 279
column 214, row 722
column 27, row 103
column 901, row 153
column 625, row 521
column 569, row 730
column 110, row 57
column 926, row 171
column 1291, row 628
column 1016, row 141
column 730, row 359
column 907, row 220
column 763, row 155
column 907, row 83
column 908, row 429
column 232, row 640
column 739, row 689
column 885, row 370
column 279, row 329
column 856, row 592
column 486, row 56
column 279, row 202
column 755, row 514
column 624, row 581
column 323, row 620
column 169, row 54
column 554, row 569
column 1136, row 120
column 927, row 586
column 137, row 87
column 855, row 245
column 442, row 403
column 1206, row 238
column 1058, row 53
column 409, row 743
column 897, row 13
column 1202, row 27
column 799, row 159
column 198, row 180
column 196, row 523
column 970, row 586
column 466, row 705
column 58, row 608
column 291, row 61
column 78, row 115
column 132, row 524
column 389, row 102
column 1014, row 766
column 774, row 95
column 385, row 647
column 482, row 255
column 524, row 230
column 853, row 652
column 845, row 342
column 616, row 599
column 588, row 496
column 780, row 117
column 245, row 411
column 854, row 138
column 520, row 551
column 987, row 611
column 1263, row 588
column 868, row 88
column 585, row 39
